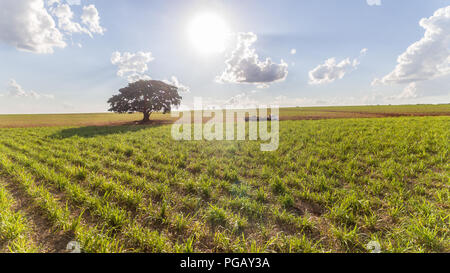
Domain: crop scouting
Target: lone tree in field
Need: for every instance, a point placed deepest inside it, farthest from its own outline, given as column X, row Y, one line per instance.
column 145, row 97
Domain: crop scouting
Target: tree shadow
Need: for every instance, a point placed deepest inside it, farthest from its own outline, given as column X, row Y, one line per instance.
column 94, row 131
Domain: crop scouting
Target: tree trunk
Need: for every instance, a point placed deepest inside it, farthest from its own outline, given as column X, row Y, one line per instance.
column 146, row 117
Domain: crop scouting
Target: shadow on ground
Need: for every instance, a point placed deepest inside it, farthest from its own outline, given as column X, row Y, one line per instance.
column 94, row 131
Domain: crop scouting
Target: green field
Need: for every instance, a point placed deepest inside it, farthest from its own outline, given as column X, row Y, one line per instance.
column 333, row 185
column 294, row 113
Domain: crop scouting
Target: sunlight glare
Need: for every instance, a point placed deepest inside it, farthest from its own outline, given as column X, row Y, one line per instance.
column 208, row 33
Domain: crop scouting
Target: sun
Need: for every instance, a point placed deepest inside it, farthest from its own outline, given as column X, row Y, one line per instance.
column 208, row 33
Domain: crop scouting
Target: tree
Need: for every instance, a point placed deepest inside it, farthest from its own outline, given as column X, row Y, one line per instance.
column 145, row 97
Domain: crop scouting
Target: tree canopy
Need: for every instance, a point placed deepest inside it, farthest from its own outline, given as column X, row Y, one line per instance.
column 145, row 97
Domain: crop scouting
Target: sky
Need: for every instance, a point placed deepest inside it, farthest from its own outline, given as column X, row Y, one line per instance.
column 70, row 56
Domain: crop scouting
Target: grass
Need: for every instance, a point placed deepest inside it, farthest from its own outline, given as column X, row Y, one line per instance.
column 333, row 185
column 15, row 232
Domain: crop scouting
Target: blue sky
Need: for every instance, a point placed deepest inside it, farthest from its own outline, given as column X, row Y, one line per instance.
column 45, row 76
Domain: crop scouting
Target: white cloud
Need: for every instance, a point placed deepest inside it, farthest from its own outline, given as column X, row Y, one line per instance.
column 428, row 58
column 374, row 2
column 293, row 51
column 262, row 85
column 331, row 70
column 27, row 25
column 410, row 92
column 134, row 77
column 244, row 65
column 65, row 20
column 91, row 18
column 363, row 51
column 242, row 100
column 16, row 91
column 70, row 2
column 74, row 2
column 132, row 65
column 175, row 82
column 52, row 2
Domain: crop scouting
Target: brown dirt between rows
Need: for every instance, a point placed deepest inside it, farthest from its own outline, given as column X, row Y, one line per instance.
column 303, row 207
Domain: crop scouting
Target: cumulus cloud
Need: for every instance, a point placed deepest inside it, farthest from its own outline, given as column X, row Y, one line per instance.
column 17, row 91
column 293, row 51
column 410, row 92
column 332, row 70
column 91, row 18
column 428, row 58
column 425, row 60
column 29, row 25
column 65, row 20
column 175, row 82
column 374, row 2
column 244, row 65
column 132, row 65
